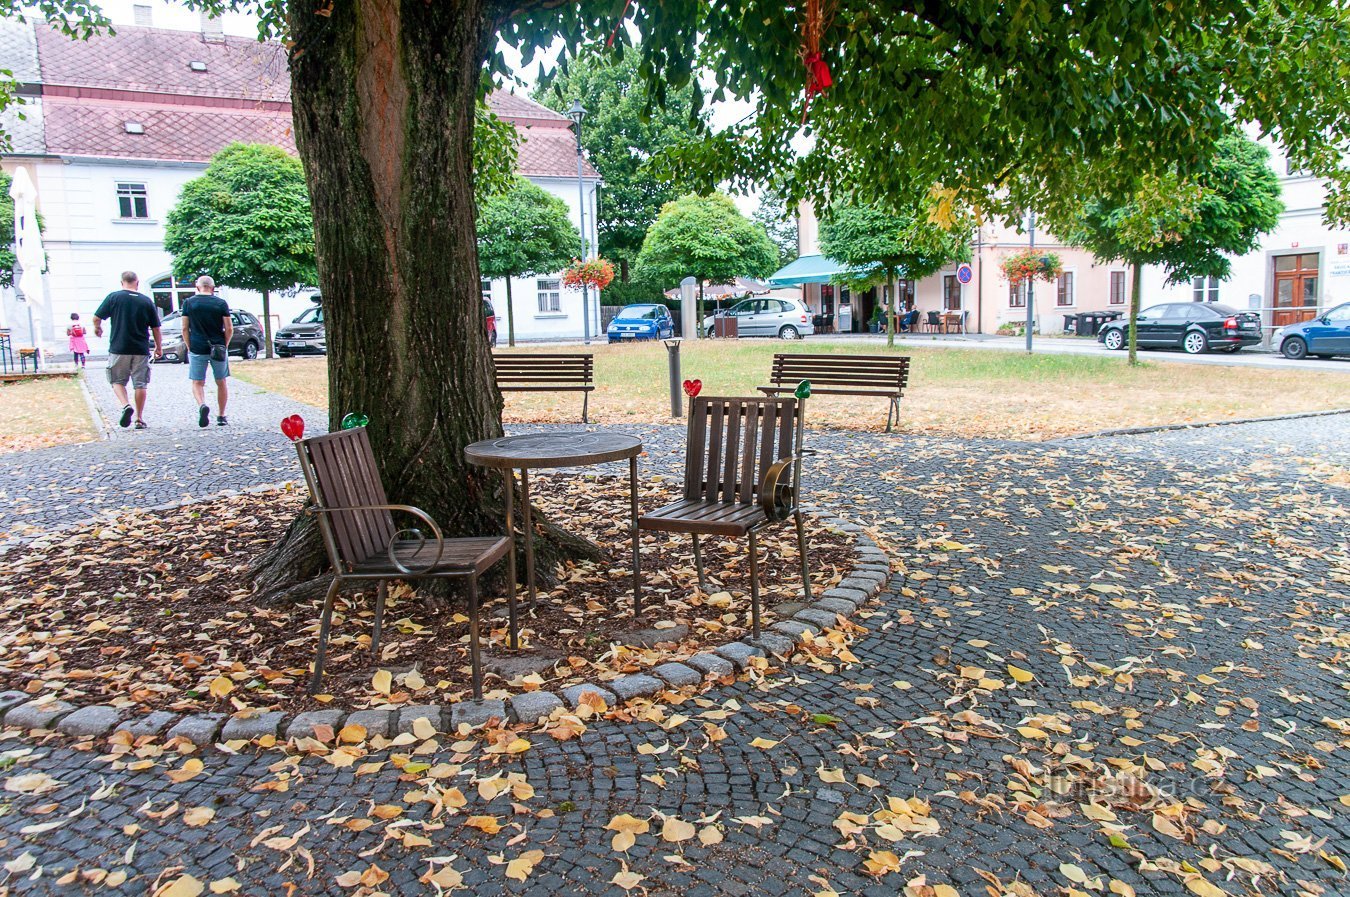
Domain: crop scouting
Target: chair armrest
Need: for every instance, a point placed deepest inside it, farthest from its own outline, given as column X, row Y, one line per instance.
column 776, row 498
column 407, row 509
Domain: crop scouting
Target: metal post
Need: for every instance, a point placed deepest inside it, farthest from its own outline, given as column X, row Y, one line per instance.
column 689, row 322
column 1031, row 283
column 676, row 385
column 581, row 209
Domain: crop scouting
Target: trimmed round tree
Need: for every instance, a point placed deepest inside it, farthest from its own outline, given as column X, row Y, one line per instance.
column 708, row 238
column 523, row 232
column 246, row 221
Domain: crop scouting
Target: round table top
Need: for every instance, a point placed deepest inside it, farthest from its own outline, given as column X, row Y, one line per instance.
column 553, row 450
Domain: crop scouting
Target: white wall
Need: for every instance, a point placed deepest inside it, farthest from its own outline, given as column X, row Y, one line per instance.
column 164, row 14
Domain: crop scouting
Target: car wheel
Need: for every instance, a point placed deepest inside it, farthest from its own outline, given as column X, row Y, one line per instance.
column 1114, row 340
column 787, row 331
column 1294, row 348
column 251, row 350
column 1194, row 342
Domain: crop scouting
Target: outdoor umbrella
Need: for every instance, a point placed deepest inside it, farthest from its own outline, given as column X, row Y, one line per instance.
column 28, row 249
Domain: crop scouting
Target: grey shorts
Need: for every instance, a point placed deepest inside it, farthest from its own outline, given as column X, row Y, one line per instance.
column 135, row 368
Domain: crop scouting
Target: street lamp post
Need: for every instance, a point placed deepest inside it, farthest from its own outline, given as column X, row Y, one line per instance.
column 1031, row 282
column 577, row 113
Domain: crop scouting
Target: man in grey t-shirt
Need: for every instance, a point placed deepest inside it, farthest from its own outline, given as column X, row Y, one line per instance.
column 134, row 320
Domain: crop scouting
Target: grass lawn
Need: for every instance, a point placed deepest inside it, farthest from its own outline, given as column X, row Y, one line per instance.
column 41, row 413
column 951, row 391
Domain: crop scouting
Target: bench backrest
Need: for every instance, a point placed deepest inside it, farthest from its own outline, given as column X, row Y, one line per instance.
column 732, row 442
column 879, row 373
column 560, row 369
column 341, row 473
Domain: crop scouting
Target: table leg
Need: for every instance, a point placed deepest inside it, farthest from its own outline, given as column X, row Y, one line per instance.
column 637, row 561
column 527, row 523
column 511, row 587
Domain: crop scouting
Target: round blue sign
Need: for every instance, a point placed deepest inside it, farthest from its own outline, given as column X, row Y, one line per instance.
column 963, row 274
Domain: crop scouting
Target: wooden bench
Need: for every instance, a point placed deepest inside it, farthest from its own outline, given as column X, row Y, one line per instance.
column 882, row 376
column 547, row 373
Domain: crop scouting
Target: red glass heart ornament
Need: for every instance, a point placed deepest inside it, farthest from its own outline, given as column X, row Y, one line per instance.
column 293, row 427
column 693, row 387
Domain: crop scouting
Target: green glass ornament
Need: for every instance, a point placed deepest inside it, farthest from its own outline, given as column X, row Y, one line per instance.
column 354, row 419
column 803, row 390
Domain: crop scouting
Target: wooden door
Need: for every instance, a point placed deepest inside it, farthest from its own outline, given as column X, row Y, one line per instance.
column 1295, row 289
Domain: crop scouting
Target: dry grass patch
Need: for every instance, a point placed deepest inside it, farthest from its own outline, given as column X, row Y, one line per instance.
column 952, row 392
column 43, row 412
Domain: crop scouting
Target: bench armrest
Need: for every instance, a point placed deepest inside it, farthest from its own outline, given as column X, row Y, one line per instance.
column 407, row 509
column 777, row 499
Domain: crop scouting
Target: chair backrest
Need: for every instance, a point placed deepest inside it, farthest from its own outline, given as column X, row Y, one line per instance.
column 932, row 317
column 341, row 473
column 543, row 370
column 876, row 373
column 732, row 443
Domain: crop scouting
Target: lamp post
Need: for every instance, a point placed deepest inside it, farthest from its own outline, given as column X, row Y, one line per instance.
column 577, row 113
column 1031, row 282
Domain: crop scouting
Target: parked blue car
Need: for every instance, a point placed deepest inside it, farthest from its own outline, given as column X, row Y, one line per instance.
column 641, row 322
column 1326, row 335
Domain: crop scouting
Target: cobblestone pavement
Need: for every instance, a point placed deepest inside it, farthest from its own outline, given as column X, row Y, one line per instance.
column 1178, row 598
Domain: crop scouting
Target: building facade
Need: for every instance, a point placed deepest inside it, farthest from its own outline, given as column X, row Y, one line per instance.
column 112, row 128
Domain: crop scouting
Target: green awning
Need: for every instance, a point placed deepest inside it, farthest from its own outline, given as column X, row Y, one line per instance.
column 807, row 269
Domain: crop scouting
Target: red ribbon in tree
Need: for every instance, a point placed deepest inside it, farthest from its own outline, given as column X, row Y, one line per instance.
column 818, row 78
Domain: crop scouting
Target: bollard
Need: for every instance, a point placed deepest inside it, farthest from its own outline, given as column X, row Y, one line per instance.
column 676, row 403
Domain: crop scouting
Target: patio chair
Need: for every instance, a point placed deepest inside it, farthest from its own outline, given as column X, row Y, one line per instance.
column 356, row 524
column 742, row 472
column 933, row 322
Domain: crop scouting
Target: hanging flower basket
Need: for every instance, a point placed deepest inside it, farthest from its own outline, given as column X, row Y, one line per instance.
column 596, row 273
column 1031, row 264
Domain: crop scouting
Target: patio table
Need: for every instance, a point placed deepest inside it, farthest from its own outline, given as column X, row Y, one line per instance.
column 542, row 451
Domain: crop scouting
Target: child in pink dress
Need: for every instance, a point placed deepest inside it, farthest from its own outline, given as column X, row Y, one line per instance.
column 78, row 347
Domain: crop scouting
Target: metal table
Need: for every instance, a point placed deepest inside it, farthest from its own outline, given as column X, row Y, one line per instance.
column 550, row 451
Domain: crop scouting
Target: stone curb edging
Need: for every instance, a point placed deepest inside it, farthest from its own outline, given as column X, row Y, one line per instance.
column 1162, row 428
column 100, row 425
column 870, row 572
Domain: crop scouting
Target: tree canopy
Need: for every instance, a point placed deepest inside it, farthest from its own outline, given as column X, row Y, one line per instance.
column 521, row 233
column 706, row 237
column 779, row 220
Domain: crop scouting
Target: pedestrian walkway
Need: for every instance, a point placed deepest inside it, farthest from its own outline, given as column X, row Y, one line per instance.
column 1119, row 660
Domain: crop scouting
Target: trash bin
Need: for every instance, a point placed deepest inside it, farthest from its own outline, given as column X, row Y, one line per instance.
column 725, row 327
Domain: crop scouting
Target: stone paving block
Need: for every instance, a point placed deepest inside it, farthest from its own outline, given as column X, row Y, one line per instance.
column 636, row 685
column 12, row 699
column 773, row 643
column 796, row 630
column 572, row 694
column 836, row 606
column 857, row 596
column 710, row 664
column 90, row 722
column 739, row 653
column 646, row 638
column 38, row 714
column 199, row 729
column 533, row 706
column 883, row 569
column 303, row 725
column 375, row 722
column 152, row 723
column 677, row 674
column 247, row 728
column 475, row 713
column 821, row 618
column 409, row 715
column 864, row 581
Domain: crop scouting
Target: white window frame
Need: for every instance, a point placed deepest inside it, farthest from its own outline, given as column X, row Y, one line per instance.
column 1021, row 295
column 1205, row 289
column 1072, row 274
column 1124, row 293
column 960, row 293
column 132, row 192
column 549, row 297
column 485, row 289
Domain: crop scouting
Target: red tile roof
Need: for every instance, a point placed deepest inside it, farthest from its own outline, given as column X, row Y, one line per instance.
column 549, row 153
column 174, row 133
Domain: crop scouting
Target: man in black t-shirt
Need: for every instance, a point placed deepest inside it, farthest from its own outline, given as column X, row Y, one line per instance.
column 134, row 320
column 207, row 330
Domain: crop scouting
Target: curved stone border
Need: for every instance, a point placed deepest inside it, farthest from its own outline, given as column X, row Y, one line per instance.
column 1163, row 428
column 870, row 572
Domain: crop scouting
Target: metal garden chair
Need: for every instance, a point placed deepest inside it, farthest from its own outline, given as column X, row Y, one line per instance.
column 742, row 473
column 356, row 523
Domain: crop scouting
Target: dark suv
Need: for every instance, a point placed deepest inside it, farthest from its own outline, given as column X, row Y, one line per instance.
column 246, row 343
column 303, row 336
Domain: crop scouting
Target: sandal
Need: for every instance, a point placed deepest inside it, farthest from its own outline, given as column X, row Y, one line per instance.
column 140, row 425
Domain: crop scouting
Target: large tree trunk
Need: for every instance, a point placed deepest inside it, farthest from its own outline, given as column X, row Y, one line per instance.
column 384, row 95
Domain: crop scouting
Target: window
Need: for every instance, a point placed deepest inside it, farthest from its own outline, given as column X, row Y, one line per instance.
column 1017, row 295
column 1205, row 289
column 141, row 14
column 485, row 288
column 1117, row 296
column 951, row 293
column 1064, row 290
column 132, row 201
column 550, row 296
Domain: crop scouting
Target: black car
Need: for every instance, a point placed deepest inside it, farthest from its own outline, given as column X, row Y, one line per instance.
column 1194, row 326
column 246, row 342
column 303, row 336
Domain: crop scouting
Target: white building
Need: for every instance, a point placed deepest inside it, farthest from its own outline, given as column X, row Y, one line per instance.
column 113, row 127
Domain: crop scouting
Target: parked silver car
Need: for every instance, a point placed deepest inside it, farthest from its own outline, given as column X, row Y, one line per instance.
column 768, row 316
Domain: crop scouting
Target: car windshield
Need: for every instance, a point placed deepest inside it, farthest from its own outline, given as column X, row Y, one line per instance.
column 310, row 316
column 1216, row 310
column 639, row 313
